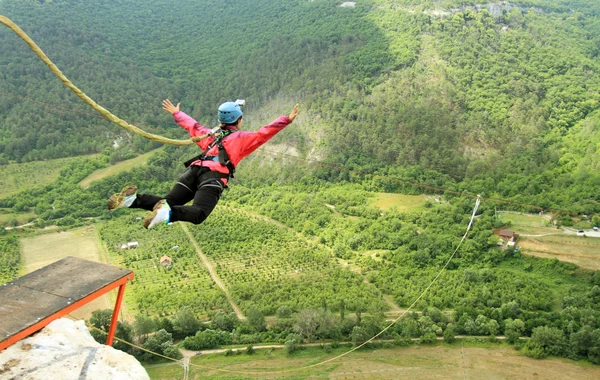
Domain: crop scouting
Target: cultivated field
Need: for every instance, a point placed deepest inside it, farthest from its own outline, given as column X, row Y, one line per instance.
column 414, row 362
column 538, row 238
column 41, row 250
column 15, row 178
column 402, row 202
column 583, row 251
column 122, row 166
column 158, row 290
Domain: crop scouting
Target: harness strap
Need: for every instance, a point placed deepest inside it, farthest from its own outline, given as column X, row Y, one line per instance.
column 223, row 157
column 210, row 176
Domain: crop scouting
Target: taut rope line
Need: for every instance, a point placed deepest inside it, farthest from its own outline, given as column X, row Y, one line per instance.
column 103, row 111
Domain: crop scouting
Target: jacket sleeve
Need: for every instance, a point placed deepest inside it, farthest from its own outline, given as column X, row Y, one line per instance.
column 253, row 140
column 189, row 124
column 192, row 126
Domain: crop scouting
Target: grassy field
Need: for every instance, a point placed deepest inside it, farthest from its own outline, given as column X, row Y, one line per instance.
column 117, row 168
column 402, row 202
column 41, row 250
column 20, row 218
column 15, row 178
column 531, row 224
column 583, row 251
column 440, row 361
column 548, row 242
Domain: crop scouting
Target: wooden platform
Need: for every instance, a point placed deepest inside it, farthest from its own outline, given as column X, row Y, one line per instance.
column 31, row 302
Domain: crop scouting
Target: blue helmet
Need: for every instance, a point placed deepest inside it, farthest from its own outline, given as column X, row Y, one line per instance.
column 229, row 112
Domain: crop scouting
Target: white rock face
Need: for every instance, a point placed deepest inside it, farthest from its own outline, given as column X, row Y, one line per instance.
column 65, row 350
column 348, row 4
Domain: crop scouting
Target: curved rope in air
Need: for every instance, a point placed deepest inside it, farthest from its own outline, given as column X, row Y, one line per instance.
column 103, row 111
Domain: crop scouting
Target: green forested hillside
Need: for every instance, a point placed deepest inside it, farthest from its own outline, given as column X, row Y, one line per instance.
column 501, row 100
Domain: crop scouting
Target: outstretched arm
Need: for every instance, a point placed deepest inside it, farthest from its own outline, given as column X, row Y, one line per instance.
column 169, row 107
column 185, row 121
column 252, row 140
column 294, row 113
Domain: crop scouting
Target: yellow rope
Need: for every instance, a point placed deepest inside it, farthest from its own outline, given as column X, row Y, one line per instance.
column 104, row 112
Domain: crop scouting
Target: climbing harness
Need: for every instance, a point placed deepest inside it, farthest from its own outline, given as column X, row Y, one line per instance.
column 223, row 158
column 213, row 178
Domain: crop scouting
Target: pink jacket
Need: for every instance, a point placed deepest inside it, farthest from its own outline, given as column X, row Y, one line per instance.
column 238, row 145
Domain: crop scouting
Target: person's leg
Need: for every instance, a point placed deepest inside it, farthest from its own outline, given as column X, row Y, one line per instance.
column 173, row 208
column 145, row 201
column 205, row 200
column 185, row 188
column 180, row 194
column 125, row 198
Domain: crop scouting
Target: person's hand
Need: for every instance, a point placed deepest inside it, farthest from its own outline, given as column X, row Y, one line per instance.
column 294, row 113
column 169, row 107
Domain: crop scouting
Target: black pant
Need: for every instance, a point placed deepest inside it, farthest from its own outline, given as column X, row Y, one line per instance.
column 187, row 188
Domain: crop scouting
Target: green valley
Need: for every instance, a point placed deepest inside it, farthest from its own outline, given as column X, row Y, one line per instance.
column 352, row 216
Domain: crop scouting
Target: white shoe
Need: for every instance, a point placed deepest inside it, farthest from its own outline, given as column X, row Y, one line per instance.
column 123, row 199
column 160, row 214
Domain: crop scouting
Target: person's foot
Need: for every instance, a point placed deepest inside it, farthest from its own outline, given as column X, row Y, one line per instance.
column 123, row 199
column 160, row 214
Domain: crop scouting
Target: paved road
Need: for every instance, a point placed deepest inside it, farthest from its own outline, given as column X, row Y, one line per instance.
column 588, row 233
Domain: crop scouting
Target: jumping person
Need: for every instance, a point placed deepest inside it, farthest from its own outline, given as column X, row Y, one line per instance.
column 208, row 173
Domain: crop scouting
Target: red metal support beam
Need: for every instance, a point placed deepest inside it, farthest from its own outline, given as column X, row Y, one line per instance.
column 50, row 288
column 115, row 316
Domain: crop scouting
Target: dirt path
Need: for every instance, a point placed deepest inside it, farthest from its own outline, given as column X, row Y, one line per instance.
column 186, row 367
column 213, row 273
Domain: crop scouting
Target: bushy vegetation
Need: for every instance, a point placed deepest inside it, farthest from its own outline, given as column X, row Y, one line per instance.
column 501, row 104
column 9, row 257
column 156, row 289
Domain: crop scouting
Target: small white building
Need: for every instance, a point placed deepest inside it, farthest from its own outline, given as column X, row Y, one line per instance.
column 130, row 245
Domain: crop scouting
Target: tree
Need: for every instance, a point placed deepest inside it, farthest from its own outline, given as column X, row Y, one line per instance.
column 143, row 325
column 284, row 312
column 161, row 343
column 550, row 339
column 513, row 329
column 410, row 328
column 225, row 321
column 307, row 322
column 101, row 320
column 185, row 323
column 291, row 343
column 449, row 334
column 256, row 319
column 164, row 323
column 359, row 335
column 586, row 343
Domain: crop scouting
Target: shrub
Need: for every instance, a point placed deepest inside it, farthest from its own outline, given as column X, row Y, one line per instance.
column 534, row 350
column 291, row 344
column 449, row 334
column 428, row 338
